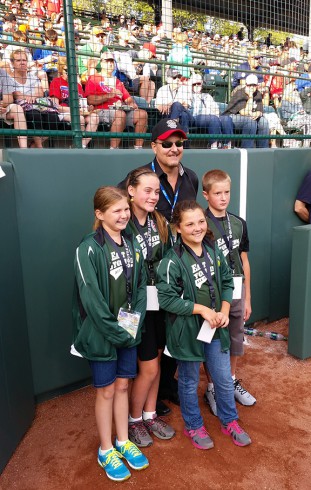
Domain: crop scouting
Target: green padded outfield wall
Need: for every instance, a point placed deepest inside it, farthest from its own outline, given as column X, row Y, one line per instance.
column 16, row 386
column 299, row 340
column 54, row 191
column 290, row 167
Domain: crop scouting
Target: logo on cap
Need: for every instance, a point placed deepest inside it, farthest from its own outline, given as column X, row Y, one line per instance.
column 172, row 124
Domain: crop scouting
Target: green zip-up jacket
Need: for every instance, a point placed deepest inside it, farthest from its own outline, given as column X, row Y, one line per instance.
column 96, row 331
column 158, row 247
column 177, row 295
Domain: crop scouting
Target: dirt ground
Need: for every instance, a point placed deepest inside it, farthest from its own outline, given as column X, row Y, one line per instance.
column 59, row 450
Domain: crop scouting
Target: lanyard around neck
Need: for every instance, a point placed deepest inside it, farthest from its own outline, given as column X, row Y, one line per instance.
column 165, row 193
column 206, row 271
column 127, row 269
column 148, row 243
column 228, row 239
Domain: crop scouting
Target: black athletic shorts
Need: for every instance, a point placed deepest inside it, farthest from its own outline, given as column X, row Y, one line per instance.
column 153, row 338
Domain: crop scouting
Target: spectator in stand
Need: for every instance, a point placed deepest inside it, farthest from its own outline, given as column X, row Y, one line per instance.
column 294, row 50
column 246, row 110
column 192, row 108
column 48, row 58
column 292, row 109
column 206, row 113
column 110, row 98
column 11, row 113
column 166, row 95
column 304, row 80
column 275, row 83
column 180, row 53
column 121, row 24
column 268, row 40
column 93, row 45
column 135, row 35
column 105, row 21
column 240, row 34
column 146, row 70
column 253, row 63
column 9, row 25
column 28, row 90
column 59, row 92
column 136, row 82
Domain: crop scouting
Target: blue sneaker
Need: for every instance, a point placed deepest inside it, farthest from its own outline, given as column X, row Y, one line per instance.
column 111, row 462
column 133, row 455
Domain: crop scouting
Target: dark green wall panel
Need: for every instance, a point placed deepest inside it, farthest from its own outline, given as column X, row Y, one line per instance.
column 16, row 385
column 259, row 209
column 290, row 168
column 299, row 341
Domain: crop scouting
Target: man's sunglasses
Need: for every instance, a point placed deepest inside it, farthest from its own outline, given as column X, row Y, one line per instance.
column 196, row 84
column 169, row 144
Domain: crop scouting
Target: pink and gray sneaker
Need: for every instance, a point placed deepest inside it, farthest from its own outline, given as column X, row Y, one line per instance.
column 200, row 438
column 237, row 434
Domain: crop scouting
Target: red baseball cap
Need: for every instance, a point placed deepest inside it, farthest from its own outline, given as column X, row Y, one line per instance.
column 165, row 128
column 151, row 47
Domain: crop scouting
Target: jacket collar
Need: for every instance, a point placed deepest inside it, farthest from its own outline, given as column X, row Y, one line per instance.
column 99, row 236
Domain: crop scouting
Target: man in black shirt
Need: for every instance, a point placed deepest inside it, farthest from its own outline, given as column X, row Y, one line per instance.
column 177, row 183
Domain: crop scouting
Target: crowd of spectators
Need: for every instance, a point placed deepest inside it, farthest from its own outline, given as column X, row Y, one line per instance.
column 131, row 74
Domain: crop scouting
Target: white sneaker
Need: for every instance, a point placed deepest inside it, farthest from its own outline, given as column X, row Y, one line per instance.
column 209, row 397
column 242, row 395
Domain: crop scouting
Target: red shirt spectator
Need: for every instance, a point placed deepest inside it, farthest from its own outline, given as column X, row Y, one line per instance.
column 96, row 85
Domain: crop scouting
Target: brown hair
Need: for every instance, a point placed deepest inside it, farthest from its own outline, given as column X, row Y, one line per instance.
column 213, row 176
column 134, row 180
column 184, row 206
column 104, row 198
column 19, row 36
column 51, row 35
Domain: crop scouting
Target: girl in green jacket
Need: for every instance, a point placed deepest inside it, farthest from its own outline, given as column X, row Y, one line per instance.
column 152, row 231
column 195, row 284
column 108, row 310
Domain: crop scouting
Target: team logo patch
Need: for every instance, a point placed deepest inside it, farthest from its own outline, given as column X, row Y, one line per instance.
column 172, row 124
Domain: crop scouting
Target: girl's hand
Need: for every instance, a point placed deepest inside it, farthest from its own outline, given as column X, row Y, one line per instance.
column 210, row 315
column 223, row 320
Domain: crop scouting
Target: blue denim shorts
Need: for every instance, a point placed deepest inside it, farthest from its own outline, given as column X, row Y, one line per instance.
column 106, row 372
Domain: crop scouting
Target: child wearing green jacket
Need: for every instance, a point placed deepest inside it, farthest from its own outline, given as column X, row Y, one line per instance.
column 195, row 284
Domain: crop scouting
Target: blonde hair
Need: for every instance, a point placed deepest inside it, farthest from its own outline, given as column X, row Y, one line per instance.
column 104, row 198
column 16, row 52
column 213, row 176
column 62, row 62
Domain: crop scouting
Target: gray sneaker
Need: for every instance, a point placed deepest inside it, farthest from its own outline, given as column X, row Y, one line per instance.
column 237, row 434
column 159, row 428
column 209, row 397
column 139, row 435
column 200, row 438
column 242, row 395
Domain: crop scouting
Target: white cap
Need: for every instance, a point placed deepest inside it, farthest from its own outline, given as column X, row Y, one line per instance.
column 251, row 80
column 195, row 78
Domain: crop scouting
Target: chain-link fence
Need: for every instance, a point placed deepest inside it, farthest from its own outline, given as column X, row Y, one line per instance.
column 83, row 76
